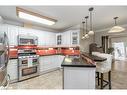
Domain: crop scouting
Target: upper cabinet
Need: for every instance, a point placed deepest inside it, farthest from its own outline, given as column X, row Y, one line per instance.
column 3, row 28
column 75, row 37
column 12, row 34
column 68, row 38
column 45, row 38
column 59, row 39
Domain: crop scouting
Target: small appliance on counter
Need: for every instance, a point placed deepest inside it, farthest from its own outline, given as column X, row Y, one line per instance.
column 28, row 63
column 4, row 57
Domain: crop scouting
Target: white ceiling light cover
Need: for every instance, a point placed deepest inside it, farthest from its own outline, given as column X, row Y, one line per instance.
column 116, row 29
column 30, row 17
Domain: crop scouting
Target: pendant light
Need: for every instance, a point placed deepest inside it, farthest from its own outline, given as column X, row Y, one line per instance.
column 91, row 32
column 83, row 36
column 86, row 35
column 116, row 28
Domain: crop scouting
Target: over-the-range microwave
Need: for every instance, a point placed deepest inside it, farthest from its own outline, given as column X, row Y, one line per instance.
column 27, row 40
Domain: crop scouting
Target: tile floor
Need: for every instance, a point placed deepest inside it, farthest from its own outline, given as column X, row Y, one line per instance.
column 53, row 80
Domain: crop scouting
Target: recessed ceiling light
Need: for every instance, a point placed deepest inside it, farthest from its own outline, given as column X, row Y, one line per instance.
column 31, row 16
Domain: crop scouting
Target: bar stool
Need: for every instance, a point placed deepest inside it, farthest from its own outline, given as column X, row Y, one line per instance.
column 104, row 67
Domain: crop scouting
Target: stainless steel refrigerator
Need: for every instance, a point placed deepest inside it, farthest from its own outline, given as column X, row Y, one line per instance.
column 4, row 57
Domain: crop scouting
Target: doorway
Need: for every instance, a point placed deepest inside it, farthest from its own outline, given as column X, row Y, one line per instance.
column 119, row 50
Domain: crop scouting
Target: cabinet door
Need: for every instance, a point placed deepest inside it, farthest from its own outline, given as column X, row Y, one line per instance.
column 3, row 28
column 41, row 62
column 52, row 39
column 12, row 34
column 59, row 38
column 67, row 38
column 12, row 69
column 75, row 37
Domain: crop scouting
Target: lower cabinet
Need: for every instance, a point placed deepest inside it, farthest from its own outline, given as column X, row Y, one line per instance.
column 48, row 63
column 12, row 69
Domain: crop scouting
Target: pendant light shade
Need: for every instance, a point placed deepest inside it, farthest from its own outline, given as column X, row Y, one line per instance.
column 91, row 32
column 116, row 28
column 86, row 36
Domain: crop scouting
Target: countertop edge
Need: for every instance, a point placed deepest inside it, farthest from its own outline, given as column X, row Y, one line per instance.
column 89, row 66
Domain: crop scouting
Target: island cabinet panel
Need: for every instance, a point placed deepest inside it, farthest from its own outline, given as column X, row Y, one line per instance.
column 79, row 78
column 12, row 70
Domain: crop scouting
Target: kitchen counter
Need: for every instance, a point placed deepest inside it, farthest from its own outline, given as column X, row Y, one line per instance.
column 78, row 74
column 76, row 62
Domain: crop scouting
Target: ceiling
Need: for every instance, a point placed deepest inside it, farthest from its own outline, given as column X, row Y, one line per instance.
column 68, row 16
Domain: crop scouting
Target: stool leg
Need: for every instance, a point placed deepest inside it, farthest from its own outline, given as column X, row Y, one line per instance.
column 98, row 78
column 109, row 79
column 101, row 80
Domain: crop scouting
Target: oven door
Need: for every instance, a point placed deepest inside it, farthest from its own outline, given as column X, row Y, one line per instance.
column 28, row 60
column 26, row 73
column 23, row 61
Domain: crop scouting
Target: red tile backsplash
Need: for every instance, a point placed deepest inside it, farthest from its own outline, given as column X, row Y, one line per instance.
column 46, row 51
column 13, row 53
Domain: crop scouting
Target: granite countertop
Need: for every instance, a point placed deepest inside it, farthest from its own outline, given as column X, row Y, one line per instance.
column 76, row 62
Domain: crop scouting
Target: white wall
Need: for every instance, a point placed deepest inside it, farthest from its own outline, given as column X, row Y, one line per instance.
column 84, row 44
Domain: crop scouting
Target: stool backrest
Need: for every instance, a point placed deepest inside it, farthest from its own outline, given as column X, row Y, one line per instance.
column 106, row 64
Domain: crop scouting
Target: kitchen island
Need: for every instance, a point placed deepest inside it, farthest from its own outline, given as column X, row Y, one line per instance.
column 78, row 74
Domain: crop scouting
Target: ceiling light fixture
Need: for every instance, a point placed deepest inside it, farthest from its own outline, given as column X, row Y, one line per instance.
column 116, row 28
column 86, row 35
column 91, row 32
column 31, row 16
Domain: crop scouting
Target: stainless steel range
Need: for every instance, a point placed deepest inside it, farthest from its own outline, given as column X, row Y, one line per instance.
column 4, row 57
column 28, row 65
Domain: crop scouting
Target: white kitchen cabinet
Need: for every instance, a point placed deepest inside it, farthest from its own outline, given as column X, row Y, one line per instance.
column 12, row 34
column 4, row 28
column 49, row 38
column 70, row 37
column 67, row 38
column 45, row 63
column 12, row 69
column 48, row 63
column 52, row 39
column 59, row 39
column 11, row 31
column 41, row 38
column 75, row 37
